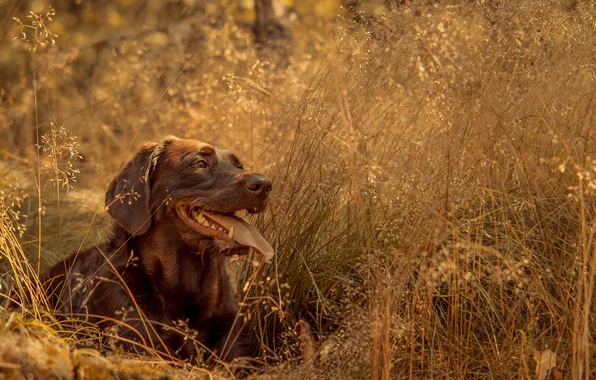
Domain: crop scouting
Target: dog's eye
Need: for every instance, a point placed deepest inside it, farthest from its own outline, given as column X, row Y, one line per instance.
column 200, row 164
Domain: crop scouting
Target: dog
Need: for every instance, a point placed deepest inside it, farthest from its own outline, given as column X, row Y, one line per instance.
column 175, row 206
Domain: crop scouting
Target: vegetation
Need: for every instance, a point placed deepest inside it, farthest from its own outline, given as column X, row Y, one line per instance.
column 434, row 172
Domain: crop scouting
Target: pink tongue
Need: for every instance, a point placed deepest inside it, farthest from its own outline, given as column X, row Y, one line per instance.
column 244, row 233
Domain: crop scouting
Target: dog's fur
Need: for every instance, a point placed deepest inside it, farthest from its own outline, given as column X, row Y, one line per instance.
column 156, row 267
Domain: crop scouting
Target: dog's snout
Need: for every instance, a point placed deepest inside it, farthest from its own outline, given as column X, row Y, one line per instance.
column 259, row 184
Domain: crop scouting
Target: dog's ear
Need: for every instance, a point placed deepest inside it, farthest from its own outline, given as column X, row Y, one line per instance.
column 127, row 198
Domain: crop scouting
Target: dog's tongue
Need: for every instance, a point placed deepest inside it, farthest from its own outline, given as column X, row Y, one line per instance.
column 244, row 233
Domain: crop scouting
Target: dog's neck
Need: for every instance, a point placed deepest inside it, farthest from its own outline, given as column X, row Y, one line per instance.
column 181, row 274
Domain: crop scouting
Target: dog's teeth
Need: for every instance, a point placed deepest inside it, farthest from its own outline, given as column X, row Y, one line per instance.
column 213, row 227
column 201, row 219
column 231, row 233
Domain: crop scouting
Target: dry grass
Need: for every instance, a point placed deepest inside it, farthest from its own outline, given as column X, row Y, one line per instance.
column 434, row 171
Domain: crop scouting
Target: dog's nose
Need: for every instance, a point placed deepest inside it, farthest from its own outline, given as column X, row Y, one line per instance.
column 258, row 184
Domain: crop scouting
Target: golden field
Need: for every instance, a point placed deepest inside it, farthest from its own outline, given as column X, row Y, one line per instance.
column 433, row 167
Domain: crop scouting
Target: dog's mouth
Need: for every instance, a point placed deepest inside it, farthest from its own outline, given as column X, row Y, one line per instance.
column 228, row 229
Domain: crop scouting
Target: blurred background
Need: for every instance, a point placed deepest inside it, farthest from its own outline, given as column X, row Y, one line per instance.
column 114, row 60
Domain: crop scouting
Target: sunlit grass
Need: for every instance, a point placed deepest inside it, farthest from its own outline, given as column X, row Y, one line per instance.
column 434, row 178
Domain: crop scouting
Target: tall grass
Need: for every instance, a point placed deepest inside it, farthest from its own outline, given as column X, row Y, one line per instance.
column 437, row 169
column 433, row 170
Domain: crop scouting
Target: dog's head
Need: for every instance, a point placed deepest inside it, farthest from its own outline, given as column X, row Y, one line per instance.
column 202, row 187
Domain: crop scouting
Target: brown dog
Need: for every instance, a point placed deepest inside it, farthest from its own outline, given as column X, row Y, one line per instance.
column 174, row 205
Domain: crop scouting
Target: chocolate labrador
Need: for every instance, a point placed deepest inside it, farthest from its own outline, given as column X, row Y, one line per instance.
column 175, row 205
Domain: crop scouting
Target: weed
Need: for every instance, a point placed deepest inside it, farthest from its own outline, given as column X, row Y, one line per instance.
column 36, row 32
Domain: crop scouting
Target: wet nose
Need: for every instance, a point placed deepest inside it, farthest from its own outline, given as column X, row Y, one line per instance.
column 258, row 184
